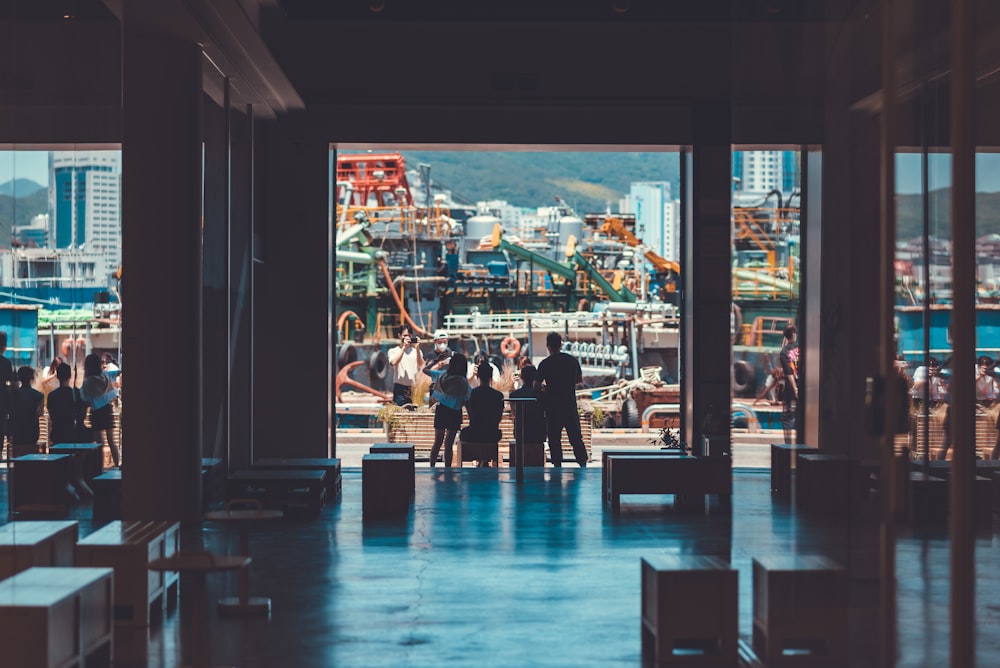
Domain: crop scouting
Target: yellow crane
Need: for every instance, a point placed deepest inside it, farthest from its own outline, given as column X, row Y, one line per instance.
column 614, row 226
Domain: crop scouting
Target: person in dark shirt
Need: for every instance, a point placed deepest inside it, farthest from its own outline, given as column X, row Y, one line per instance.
column 24, row 413
column 789, row 358
column 557, row 378
column 7, row 381
column 485, row 408
column 529, row 419
column 66, row 409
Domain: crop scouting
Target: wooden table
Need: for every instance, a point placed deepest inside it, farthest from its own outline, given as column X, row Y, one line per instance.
column 196, row 565
column 244, row 604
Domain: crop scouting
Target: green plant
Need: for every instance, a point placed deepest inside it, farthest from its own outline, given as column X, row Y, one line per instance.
column 670, row 439
column 389, row 415
column 597, row 418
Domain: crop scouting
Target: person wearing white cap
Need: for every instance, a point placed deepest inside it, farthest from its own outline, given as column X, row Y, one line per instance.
column 441, row 349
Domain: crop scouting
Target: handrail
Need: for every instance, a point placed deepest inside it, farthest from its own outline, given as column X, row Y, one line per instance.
column 657, row 408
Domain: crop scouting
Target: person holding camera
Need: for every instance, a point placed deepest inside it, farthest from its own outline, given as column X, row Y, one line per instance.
column 407, row 360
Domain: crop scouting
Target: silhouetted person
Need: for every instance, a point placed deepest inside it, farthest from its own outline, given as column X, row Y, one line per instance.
column 27, row 407
column 98, row 392
column 557, row 378
column 7, row 381
column 451, row 390
column 529, row 419
column 789, row 359
column 485, row 411
column 66, row 410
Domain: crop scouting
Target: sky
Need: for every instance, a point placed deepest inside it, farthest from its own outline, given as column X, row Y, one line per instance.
column 34, row 165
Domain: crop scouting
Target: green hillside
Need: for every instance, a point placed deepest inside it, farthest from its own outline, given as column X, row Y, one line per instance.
column 909, row 214
column 589, row 182
column 20, row 211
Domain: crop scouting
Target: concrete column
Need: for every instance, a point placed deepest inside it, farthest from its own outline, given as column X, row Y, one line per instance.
column 291, row 357
column 706, row 381
column 161, row 248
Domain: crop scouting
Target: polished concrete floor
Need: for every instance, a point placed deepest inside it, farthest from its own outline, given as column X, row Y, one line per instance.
column 486, row 572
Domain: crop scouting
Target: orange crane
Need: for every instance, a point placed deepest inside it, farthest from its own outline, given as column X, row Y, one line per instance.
column 615, row 227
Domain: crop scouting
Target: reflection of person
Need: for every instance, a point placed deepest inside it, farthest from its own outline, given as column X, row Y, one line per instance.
column 789, row 358
column 407, row 360
column 557, row 378
column 450, row 390
column 986, row 385
column 485, row 411
column 98, row 392
column 66, row 410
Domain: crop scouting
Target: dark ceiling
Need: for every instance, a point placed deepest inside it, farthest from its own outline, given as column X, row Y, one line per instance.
column 54, row 10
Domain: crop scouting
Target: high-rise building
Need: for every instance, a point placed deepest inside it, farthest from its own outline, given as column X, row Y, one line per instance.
column 651, row 203
column 760, row 172
column 85, row 202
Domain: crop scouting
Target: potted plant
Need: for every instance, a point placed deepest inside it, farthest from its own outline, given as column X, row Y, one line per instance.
column 670, row 439
column 389, row 415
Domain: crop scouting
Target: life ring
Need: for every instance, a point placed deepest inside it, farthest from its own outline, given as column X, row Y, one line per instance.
column 81, row 343
column 510, row 347
column 347, row 354
column 66, row 347
column 378, row 364
column 744, row 376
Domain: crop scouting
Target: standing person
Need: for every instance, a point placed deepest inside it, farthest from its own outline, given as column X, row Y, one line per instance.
column 441, row 349
column 7, row 380
column 451, row 390
column 407, row 360
column 485, row 412
column 986, row 385
column 789, row 358
column 556, row 380
column 482, row 358
column 98, row 392
column 66, row 409
column 49, row 379
column 529, row 419
column 27, row 407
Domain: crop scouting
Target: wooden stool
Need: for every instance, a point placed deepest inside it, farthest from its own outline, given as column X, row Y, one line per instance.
column 107, row 495
column 826, row 483
column 24, row 544
column 329, row 464
column 799, row 610
column 386, row 480
column 288, row 490
column 399, row 449
column 42, row 483
column 467, row 451
column 534, row 454
column 689, row 610
column 783, row 456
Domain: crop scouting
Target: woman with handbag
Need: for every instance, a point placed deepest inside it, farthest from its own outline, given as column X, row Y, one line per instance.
column 98, row 392
column 451, row 390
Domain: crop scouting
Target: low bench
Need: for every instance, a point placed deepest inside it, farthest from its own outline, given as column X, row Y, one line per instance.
column 398, row 449
column 931, row 496
column 28, row 543
column 386, row 481
column 42, row 484
column 827, row 482
column 331, row 465
column 57, row 617
column 689, row 610
column 799, row 610
column 128, row 548
column 651, row 451
column 656, row 474
column 783, row 456
column 289, row 491
column 107, row 489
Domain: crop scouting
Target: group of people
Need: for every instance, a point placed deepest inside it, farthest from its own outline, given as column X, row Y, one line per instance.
column 21, row 404
column 550, row 391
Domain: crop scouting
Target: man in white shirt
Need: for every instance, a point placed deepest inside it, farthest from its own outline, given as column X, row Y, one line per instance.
column 407, row 360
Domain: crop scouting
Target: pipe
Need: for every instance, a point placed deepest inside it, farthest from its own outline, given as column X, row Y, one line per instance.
column 420, row 279
column 753, row 424
column 357, row 257
column 348, row 193
column 635, row 352
column 417, row 329
column 657, row 408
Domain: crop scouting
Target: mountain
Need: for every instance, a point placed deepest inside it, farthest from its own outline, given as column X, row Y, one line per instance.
column 20, row 211
column 589, row 182
column 909, row 214
column 20, row 187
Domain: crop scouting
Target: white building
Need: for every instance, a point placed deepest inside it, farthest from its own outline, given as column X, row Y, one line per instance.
column 656, row 217
column 85, row 202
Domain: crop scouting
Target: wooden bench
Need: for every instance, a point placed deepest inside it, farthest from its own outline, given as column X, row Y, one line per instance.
column 689, row 610
column 107, row 489
column 386, row 481
column 28, row 543
column 42, row 484
column 417, row 427
column 331, row 465
column 656, row 474
column 783, row 456
column 57, row 617
column 799, row 610
column 651, row 451
column 931, row 496
column 468, row 451
column 290, row 491
column 827, row 482
column 88, row 463
column 128, row 548
column 399, row 449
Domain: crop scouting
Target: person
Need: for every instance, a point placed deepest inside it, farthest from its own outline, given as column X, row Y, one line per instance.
column 986, row 385
column 556, row 380
column 98, row 392
column 480, row 358
column 407, row 360
column 485, row 407
column 7, row 380
column 451, row 390
column 27, row 407
column 441, row 349
column 789, row 359
column 529, row 419
column 49, row 379
column 110, row 367
column 773, row 386
column 66, row 409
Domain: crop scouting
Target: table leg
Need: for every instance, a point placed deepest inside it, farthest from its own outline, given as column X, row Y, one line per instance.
column 244, row 604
